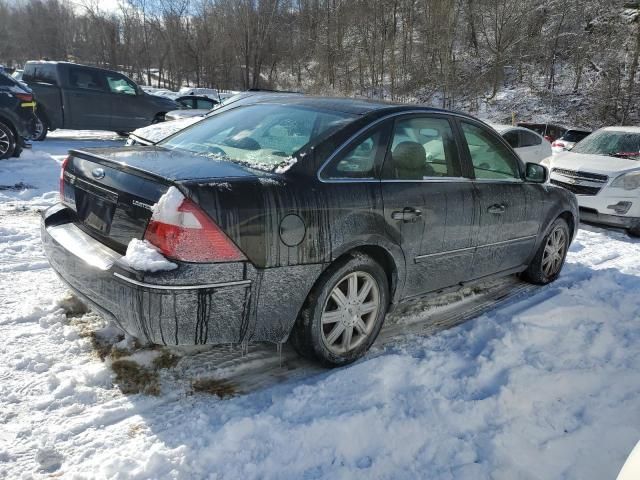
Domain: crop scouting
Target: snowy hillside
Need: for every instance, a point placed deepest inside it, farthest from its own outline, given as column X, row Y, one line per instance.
column 543, row 386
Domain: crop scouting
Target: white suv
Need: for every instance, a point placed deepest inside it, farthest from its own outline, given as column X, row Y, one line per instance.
column 603, row 170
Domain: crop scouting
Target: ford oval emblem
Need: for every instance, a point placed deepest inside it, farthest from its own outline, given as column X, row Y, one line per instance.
column 97, row 173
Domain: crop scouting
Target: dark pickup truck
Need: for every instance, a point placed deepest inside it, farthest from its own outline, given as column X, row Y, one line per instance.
column 79, row 97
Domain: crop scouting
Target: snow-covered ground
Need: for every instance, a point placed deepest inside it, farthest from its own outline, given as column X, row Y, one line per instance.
column 542, row 387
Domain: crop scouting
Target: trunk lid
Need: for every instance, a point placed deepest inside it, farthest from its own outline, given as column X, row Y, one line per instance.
column 113, row 191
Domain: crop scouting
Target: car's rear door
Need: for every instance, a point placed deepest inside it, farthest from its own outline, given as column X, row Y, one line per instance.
column 429, row 206
column 86, row 103
column 510, row 209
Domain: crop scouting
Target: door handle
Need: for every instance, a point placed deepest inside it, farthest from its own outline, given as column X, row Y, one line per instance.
column 408, row 214
column 497, row 208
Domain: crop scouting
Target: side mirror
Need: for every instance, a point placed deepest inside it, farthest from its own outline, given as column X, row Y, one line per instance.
column 536, row 173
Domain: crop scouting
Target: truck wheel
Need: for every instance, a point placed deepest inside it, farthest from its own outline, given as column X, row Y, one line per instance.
column 634, row 232
column 41, row 130
column 344, row 312
column 8, row 142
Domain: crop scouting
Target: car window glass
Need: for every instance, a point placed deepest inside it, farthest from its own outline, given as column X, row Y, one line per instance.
column 204, row 104
column 529, row 139
column 121, row 85
column 85, row 79
column 261, row 135
column 512, row 138
column 422, row 147
column 40, row 73
column 491, row 158
column 358, row 160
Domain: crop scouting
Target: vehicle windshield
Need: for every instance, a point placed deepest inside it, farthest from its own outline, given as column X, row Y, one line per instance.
column 609, row 142
column 260, row 136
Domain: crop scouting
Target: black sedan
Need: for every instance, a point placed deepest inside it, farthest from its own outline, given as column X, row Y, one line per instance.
column 301, row 218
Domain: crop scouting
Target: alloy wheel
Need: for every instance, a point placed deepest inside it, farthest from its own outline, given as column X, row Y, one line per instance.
column 554, row 251
column 5, row 143
column 350, row 312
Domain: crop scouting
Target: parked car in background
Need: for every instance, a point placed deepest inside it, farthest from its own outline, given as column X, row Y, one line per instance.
column 603, row 170
column 550, row 131
column 88, row 98
column 303, row 218
column 197, row 102
column 569, row 139
column 17, row 118
column 179, row 119
column 528, row 144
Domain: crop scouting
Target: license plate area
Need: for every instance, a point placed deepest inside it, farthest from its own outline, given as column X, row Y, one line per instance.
column 95, row 206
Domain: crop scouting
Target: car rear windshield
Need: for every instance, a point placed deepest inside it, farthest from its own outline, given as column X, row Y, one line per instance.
column 574, row 136
column 609, row 142
column 260, row 136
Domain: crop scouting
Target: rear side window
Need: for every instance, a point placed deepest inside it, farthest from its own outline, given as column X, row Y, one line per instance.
column 359, row 160
column 422, row 148
column 529, row 139
column 491, row 159
column 40, row 73
column 86, row 79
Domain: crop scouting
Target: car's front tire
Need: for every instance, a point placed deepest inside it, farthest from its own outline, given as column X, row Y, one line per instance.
column 344, row 312
column 8, row 142
column 549, row 259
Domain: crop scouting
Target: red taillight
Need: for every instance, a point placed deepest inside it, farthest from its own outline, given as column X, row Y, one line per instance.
column 62, row 169
column 25, row 97
column 557, row 144
column 186, row 233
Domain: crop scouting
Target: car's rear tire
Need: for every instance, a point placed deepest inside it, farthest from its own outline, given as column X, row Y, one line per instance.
column 8, row 142
column 41, row 130
column 344, row 312
column 549, row 259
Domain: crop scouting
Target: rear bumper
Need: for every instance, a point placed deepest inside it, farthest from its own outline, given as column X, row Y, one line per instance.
column 593, row 216
column 172, row 308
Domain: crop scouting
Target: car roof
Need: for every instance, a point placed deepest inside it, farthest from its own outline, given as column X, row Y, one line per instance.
column 346, row 105
column 622, row 128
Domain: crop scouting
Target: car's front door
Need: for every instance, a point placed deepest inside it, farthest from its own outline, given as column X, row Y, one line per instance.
column 429, row 207
column 510, row 208
column 86, row 101
column 130, row 109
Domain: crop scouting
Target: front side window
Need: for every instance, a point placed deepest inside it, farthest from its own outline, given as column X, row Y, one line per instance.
column 512, row 138
column 261, row 136
column 490, row 157
column 86, row 79
column 120, row 85
column 529, row 139
column 422, row 148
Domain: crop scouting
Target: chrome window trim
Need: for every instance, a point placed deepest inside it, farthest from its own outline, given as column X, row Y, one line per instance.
column 156, row 286
column 353, row 137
